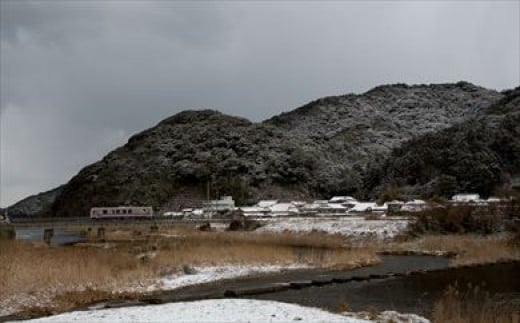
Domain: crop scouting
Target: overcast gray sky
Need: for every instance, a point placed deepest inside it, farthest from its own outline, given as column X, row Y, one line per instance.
column 78, row 78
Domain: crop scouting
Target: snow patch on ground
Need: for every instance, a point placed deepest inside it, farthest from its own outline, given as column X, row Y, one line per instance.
column 355, row 227
column 388, row 316
column 17, row 302
column 209, row 274
column 222, row 310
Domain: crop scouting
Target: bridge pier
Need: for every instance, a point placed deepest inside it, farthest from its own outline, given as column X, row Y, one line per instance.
column 101, row 233
column 47, row 235
column 7, row 233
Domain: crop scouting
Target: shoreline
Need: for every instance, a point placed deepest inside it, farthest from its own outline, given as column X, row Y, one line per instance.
column 217, row 289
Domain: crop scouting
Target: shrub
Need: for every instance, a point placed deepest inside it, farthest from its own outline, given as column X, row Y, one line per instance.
column 205, row 227
column 473, row 305
column 245, row 225
column 458, row 219
column 236, row 225
column 390, row 193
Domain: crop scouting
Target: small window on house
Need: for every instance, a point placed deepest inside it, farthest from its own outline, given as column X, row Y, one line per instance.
column 104, row 211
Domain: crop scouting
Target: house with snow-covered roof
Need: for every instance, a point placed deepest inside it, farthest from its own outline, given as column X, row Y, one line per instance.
column 283, row 209
column 465, row 198
column 266, row 203
column 342, row 199
column 254, row 211
column 414, row 206
column 362, row 208
column 394, row 206
column 332, row 209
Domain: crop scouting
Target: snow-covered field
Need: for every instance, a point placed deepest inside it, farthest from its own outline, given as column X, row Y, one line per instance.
column 222, row 310
column 356, row 227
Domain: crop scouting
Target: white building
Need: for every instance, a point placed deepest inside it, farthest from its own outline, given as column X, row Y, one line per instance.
column 266, row 203
column 414, row 206
column 362, row 207
column 226, row 203
column 255, row 211
column 193, row 213
column 342, row 199
column 283, row 209
column 332, row 209
column 493, row 199
column 380, row 208
column 173, row 214
column 465, row 198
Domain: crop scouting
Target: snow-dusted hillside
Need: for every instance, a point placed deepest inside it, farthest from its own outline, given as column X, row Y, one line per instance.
column 331, row 146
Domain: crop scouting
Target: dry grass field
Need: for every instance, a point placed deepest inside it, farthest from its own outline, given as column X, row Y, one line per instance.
column 129, row 260
column 133, row 259
column 470, row 248
column 474, row 306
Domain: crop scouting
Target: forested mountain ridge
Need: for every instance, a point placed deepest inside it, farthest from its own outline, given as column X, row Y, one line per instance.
column 335, row 145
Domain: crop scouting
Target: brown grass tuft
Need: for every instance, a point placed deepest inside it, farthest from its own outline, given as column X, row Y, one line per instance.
column 474, row 306
column 25, row 268
column 470, row 248
column 343, row 306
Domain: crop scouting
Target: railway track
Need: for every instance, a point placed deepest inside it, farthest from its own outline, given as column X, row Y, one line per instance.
column 61, row 222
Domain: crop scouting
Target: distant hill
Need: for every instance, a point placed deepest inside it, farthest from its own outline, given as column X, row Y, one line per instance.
column 474, row 156
column 334, row 145
column 33, row 205
column 357, row 133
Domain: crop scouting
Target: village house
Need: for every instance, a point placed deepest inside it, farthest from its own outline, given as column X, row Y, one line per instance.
column 332, row 209
column 266, row 203
column 193, row 213
column 254, row 211
column 283, row 209
column 465, row 198
column 362, row 208
column 394, row 207
column 173, row 214
column 342, row 199
column 226, row 203
column 414, row 206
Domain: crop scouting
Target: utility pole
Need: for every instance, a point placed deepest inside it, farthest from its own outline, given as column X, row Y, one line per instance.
column 207, row 190
column 208, row 203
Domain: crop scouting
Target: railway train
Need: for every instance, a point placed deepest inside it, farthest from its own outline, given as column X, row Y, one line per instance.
column 121, row 212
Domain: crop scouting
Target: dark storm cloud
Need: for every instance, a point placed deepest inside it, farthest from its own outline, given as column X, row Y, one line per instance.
column 78, row 78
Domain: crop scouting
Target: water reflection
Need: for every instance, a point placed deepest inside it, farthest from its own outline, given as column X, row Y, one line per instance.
column 415, row 293
column 59, row 238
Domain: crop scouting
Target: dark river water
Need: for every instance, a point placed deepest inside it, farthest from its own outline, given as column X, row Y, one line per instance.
column 414, row 293
column 60, row 237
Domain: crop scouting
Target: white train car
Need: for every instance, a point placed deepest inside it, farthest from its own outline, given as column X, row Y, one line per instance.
column 121, row 212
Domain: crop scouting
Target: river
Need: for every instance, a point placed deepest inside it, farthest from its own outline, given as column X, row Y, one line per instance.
column 60, row 237
column 415, row 293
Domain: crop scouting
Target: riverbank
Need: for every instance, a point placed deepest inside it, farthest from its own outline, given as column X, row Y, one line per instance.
column 37, row 278
column 417, row 291
column 464, row 249
column 224, row 310
column 141, row 262
column 348, row 290
column 229, row 310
